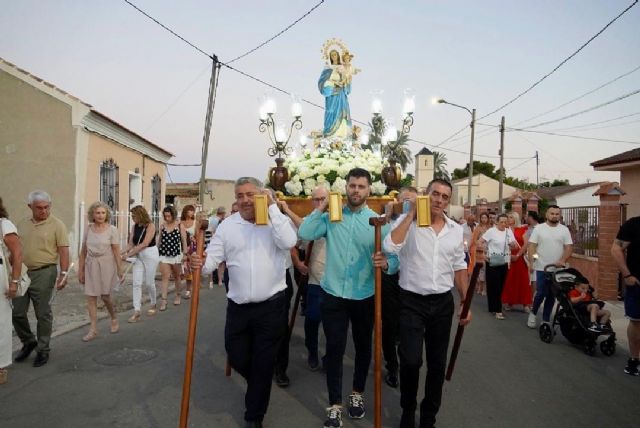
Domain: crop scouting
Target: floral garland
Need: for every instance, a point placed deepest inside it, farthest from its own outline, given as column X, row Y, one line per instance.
column 329, row 168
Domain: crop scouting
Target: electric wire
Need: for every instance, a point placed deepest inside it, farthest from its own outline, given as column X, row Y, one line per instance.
column 596, row 123
column 521, row 94
column 580, row 96
column 581, row 137
column 590, row 109
column 462, row 152
column 277, row 35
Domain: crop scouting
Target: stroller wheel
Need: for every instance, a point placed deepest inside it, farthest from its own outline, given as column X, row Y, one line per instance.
column 546, row 333
column 590, row 349
column 608, row 347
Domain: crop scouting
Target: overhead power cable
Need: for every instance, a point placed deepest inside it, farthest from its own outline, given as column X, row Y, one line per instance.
column 569, row 116
column 580, row 96
column 580, row 137
column 595, row 123
column 287, row 28
column 463, row 152
column 521, row 94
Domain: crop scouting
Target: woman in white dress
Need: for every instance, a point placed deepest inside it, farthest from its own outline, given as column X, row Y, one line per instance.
column 9, row 277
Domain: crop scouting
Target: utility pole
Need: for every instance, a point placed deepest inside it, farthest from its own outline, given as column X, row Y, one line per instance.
column 501, row 165
column 473, row 129
column 537, row 170
column 213, row 84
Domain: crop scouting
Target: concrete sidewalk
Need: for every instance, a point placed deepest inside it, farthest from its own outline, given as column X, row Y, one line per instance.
column 70, row 308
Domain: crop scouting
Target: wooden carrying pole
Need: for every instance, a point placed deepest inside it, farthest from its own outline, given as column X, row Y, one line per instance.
column 193, row 319
column 463, row 315
column 377, row 223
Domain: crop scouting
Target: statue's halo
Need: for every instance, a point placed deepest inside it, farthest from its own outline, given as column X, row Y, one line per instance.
column 331, row 44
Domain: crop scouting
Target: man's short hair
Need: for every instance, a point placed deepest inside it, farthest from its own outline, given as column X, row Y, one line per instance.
column 359, row 172
column 553, row 206
column 439, row 181
column 408, row 189
column 38, row 195
column 249, row 180
column 221, row 210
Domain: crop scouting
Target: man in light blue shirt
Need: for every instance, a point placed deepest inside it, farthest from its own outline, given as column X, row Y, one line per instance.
column 348, row 289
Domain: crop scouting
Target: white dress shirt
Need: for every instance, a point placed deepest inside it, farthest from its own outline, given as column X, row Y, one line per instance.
column 428, row 261
column 255, row 255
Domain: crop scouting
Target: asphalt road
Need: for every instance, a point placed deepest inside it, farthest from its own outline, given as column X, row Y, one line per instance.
column 505, row 377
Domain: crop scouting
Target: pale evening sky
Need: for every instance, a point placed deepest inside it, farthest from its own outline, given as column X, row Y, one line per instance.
column 476, row 53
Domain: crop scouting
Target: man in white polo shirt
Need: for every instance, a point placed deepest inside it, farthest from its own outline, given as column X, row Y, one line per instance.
column 256, row 311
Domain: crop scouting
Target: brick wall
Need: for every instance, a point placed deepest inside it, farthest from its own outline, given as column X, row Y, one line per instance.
column 588, row 266
column 609, row 223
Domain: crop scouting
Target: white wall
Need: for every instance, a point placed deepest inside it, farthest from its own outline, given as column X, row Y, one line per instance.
column 579, row 198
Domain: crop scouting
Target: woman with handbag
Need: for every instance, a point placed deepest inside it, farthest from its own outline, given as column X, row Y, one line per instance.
column 10, row 277
column 100, row 266
column 142, row 244
column 497, row 242
column 172, row 243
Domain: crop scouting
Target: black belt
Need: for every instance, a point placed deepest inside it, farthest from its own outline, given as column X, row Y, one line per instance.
column 40, row 268
column 276, row 296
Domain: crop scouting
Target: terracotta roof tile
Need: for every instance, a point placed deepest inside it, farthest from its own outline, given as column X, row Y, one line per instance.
column 630, row 156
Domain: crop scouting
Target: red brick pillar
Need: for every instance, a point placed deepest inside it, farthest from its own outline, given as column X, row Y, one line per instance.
column 532, row 203
column 608, row 226
column 516, row 205
column 467, row 210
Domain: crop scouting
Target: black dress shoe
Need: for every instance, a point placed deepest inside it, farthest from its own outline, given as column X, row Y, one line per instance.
column 252, row 424
column 26, row 350
column 282, row 380
column 391, row 378
column 41, row 359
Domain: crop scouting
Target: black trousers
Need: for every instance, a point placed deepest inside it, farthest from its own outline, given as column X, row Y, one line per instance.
column 282, row 359
column 424, row 320
column 252, row 335
column 336, row 314
column 495, row 276
column 390, row 311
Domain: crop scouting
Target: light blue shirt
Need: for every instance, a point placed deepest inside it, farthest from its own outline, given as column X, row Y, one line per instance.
column 349, row 271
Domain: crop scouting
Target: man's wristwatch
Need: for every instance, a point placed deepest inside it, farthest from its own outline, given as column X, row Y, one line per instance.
column 15, row 281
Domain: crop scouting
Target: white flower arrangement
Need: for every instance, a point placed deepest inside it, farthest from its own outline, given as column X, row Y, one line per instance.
column 329, row 168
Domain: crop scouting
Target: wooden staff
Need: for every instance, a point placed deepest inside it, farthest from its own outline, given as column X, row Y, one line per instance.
column 304, row 280
column 463, row 315
column 377, row 223
column 193, row 319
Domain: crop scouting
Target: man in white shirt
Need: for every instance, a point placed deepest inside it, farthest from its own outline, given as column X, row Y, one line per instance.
column 256, row 311
column 550, row 244
column 432, row 260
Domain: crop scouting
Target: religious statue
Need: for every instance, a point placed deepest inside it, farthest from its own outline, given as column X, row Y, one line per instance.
column 335, row 85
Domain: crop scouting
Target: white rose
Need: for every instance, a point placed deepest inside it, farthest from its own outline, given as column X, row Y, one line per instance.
column 378, row 188
column 293, row 188
column 339, row 185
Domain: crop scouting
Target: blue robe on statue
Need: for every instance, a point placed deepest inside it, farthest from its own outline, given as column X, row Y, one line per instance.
column 336, row 103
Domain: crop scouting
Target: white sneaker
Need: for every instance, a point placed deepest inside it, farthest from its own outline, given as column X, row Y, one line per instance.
column 532, row 321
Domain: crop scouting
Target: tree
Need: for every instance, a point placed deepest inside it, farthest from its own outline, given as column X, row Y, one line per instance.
column 394, row 150
column 485, row 168
column 555, row 183
column 440, row 166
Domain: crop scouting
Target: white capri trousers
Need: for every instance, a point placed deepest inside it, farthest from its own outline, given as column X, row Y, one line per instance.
column 144, row 270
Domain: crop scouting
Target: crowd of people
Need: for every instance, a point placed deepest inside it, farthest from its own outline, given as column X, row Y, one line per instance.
column 332, row 263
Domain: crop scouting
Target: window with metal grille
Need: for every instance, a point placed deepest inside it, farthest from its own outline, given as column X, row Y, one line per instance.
column 156, row 194
column 109, row 185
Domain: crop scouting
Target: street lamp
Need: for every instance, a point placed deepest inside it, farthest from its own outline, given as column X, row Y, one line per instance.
column 279, row 137
column 473, row 127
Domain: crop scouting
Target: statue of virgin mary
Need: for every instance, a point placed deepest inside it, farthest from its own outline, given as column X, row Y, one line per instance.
column 335, row 85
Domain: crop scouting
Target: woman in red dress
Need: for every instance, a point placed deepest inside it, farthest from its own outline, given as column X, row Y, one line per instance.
column 517, row 289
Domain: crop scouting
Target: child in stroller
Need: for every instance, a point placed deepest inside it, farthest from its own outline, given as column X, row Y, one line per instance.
column 582, row 300
column 573, row 320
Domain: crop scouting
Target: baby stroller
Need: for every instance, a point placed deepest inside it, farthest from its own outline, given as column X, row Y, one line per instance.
column 573, row 324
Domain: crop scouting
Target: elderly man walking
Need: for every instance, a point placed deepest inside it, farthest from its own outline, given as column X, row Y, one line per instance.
column 44, row 244
column 550, row 243
column 257, row 305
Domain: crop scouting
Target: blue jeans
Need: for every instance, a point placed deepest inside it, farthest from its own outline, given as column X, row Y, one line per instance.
column 312, row 318
column 543, row 292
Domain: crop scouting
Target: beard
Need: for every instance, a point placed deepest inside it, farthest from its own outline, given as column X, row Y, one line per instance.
column 554, row 221
column 356, row 201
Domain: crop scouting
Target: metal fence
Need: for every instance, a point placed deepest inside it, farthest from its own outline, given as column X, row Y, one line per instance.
column 583, row 225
